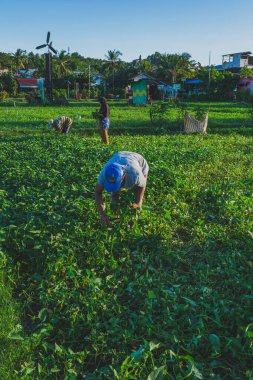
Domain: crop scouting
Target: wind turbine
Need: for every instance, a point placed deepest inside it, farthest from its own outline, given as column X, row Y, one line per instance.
column 48, row 55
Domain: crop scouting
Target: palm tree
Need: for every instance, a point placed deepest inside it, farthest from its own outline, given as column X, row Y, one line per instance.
column 143, row 66
column 172, row 66
column 113, row 60
column 20, row 59
column 62, row 64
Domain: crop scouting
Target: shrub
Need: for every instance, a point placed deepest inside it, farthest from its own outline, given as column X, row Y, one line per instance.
column 59, row 98
column 60, row 93
column 8, row 83
column 244, row 95
column 33, row 99
column 168, row 113
column 95, row 92
column 3, row 95
column 21, row 95
column 199, row 113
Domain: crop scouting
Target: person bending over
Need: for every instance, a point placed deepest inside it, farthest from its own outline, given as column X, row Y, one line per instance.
column 127, row 170
column 62, row 124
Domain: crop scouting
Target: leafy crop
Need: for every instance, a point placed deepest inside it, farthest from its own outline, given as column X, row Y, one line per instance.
column 165, row 293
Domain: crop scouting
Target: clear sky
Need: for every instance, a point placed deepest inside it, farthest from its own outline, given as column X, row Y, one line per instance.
column 92, row 27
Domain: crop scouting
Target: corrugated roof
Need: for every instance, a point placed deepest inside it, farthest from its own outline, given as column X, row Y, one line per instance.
column 146, row 78
column 240, row 52
column 27, row 82
column 194, row 81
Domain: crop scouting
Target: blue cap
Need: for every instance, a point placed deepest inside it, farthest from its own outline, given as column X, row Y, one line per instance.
column 113, row 177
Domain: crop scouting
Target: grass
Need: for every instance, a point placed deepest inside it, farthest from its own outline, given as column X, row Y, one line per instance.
column 171, row 297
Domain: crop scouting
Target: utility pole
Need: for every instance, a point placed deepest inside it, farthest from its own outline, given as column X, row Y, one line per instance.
column 68, row 88
column 89, row 81
column 209, row 72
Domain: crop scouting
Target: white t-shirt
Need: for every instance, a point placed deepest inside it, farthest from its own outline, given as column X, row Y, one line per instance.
column 134, row 166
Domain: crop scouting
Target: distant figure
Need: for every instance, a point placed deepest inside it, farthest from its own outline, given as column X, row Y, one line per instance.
column 149, row 99
column 104, row 122
column 127, row 170
column 62, row 124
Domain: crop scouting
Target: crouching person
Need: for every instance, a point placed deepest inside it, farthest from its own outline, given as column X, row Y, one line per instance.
column 62, row 124
column 127, row 170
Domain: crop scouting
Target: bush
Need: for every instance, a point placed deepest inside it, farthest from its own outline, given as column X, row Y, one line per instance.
column 8, row 83
column 95, row 92
column 244, row 96
column 199, row 113
column 60, row 93
column 33, row 99
column 59, row 98
column 168, row 113
column 21, row 95
column 3, row 95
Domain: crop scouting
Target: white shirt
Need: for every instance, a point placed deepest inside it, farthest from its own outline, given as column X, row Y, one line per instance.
column 134, row 166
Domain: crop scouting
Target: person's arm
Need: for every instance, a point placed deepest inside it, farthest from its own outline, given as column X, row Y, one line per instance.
column 100, row 113
column 104, row 111
column 100, row 203
column 139, row 194
column 58, row 124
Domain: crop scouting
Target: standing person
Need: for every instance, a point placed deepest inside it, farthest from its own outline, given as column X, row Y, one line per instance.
column 62, row 124
column 104, row 122
column 127, row 170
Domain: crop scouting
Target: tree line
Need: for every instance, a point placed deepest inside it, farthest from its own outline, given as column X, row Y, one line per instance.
column 71, row 68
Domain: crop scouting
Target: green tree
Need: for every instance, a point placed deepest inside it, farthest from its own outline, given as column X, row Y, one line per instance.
column 142, row 66
column 154, row 58
column 36, row 61
column 221, row 83
column 246, row 72
column 172, row 67
column 19, row 59
column 8, row 83
column 61, row 64
column 5, row 60
column 113, row 61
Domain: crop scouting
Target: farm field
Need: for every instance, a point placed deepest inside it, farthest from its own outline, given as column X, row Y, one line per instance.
column 170, row 298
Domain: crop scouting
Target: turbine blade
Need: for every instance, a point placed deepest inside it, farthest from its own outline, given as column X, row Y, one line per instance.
column 41, row 46
column 48, row 37
column 53, row 50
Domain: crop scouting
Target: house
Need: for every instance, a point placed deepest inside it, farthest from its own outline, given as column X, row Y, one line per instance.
column 26, row 73
column 27, row 84
column 145, row 88
column 193, row 86
column 235, row 61
column 245, row 84
column 31, row 85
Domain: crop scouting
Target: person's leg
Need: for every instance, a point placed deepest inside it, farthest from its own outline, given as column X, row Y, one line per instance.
column 101, row 132
column 106, row 137
column 68, row 129
column 105, row 127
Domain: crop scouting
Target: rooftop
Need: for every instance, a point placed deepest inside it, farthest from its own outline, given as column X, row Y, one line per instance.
column 240, row 52
column 27, row 82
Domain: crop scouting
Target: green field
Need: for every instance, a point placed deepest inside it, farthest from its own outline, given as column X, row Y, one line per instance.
column 170, row 298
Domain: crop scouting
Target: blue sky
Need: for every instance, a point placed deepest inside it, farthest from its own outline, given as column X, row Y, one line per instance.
column 132, row 26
